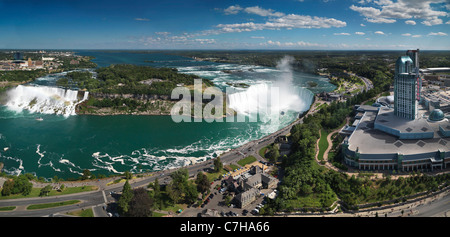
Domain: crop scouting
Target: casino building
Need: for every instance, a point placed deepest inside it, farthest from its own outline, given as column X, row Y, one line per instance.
column 399, row 133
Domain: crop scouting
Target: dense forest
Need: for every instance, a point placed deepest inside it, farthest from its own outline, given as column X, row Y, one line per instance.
column 21, row 76
column 130, row 79
column 83, row 62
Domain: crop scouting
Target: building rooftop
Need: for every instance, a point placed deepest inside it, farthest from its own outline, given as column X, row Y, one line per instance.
column 387, row 117
column 369, row 141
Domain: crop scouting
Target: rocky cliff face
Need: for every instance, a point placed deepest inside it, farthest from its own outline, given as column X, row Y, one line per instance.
column 130, row 96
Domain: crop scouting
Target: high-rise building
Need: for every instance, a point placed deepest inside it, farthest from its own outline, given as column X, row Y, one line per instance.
column 407, row 85
column 18, row 56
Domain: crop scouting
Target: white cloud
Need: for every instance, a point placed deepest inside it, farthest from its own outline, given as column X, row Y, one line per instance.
column 205, row 41
column 292, row 44
column 379, row 32
column 406, row 34
column 341, row 34
column 232, row 10
column 257, row 37
column 141, row 19
column 162, row 33
column 447, row 23
column 274, row 43
column 438, row 34
column 386, row 11
column 276, row 21
column 360, row 33
column 380, row 20
column 290, row 21
column 432, row 22
column 362, row 25
column 410, row 22
column 416, row 36
column 263, row 12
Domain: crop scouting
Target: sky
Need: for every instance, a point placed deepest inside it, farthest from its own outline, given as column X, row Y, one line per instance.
column 226, row 24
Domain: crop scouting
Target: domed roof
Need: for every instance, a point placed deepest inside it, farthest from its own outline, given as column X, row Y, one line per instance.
column 436, row 115
column 376, row 105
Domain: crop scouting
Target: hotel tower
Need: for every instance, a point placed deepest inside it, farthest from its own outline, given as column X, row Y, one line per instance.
column 407, row 85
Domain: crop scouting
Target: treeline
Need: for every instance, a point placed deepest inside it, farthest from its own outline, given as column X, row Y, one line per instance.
column 83, row 62
column 132, row 79
column 21, row 76
column 18, row 185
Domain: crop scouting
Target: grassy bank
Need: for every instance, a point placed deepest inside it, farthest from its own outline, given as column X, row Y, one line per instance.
column 50, row 205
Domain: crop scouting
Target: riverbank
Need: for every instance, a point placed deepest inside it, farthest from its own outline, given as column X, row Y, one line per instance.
column 149, row 105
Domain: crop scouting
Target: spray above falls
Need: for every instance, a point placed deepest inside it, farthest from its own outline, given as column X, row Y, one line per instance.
column 45, row 100
column 275, row 97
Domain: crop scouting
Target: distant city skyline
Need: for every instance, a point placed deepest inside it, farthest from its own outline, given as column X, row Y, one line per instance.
column 203, row 24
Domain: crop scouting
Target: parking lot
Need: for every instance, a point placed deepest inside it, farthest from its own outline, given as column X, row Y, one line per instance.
column 217, row 202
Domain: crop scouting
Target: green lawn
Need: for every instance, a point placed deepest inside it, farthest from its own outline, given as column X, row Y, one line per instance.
column 214, row 176
column 246, row 160
column 157, row 214
column 323, row 144
column 370, row 102
column 7, row 208
column 82, row 213
column 262, row 152
column 36, row 191
column 53, row 204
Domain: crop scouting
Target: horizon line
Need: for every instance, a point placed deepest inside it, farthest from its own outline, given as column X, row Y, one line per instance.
column 4, row 49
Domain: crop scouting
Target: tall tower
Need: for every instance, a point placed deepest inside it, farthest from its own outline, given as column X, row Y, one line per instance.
column 407, row 85
column 414, row 55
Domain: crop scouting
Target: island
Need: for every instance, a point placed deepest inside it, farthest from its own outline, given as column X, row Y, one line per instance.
column 132, row 89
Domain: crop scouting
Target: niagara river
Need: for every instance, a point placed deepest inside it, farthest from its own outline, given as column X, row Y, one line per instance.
column 41, row 134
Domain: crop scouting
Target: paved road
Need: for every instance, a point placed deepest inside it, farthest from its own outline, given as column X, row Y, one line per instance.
column 366, row 81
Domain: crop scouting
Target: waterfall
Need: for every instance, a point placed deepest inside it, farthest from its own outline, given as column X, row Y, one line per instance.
column 258, row 99
column 45, row 100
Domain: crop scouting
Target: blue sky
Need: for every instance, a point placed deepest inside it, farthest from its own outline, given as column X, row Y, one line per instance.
column 226, row 24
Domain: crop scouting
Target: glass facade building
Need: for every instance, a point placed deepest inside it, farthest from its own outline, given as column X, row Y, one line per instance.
column 407, row 84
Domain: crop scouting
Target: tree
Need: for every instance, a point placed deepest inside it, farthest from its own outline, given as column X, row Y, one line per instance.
column 141, row 204
column 22, row 185
column 202, row 182
column 178, row 186
column 174, row 192
column 86, row 174
column 128, row 175
column 273, row 153
column 125, row 198
column 156, row 188
column 191, row 194
column 8, row 187
column 218, row 165
column 45, row 190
